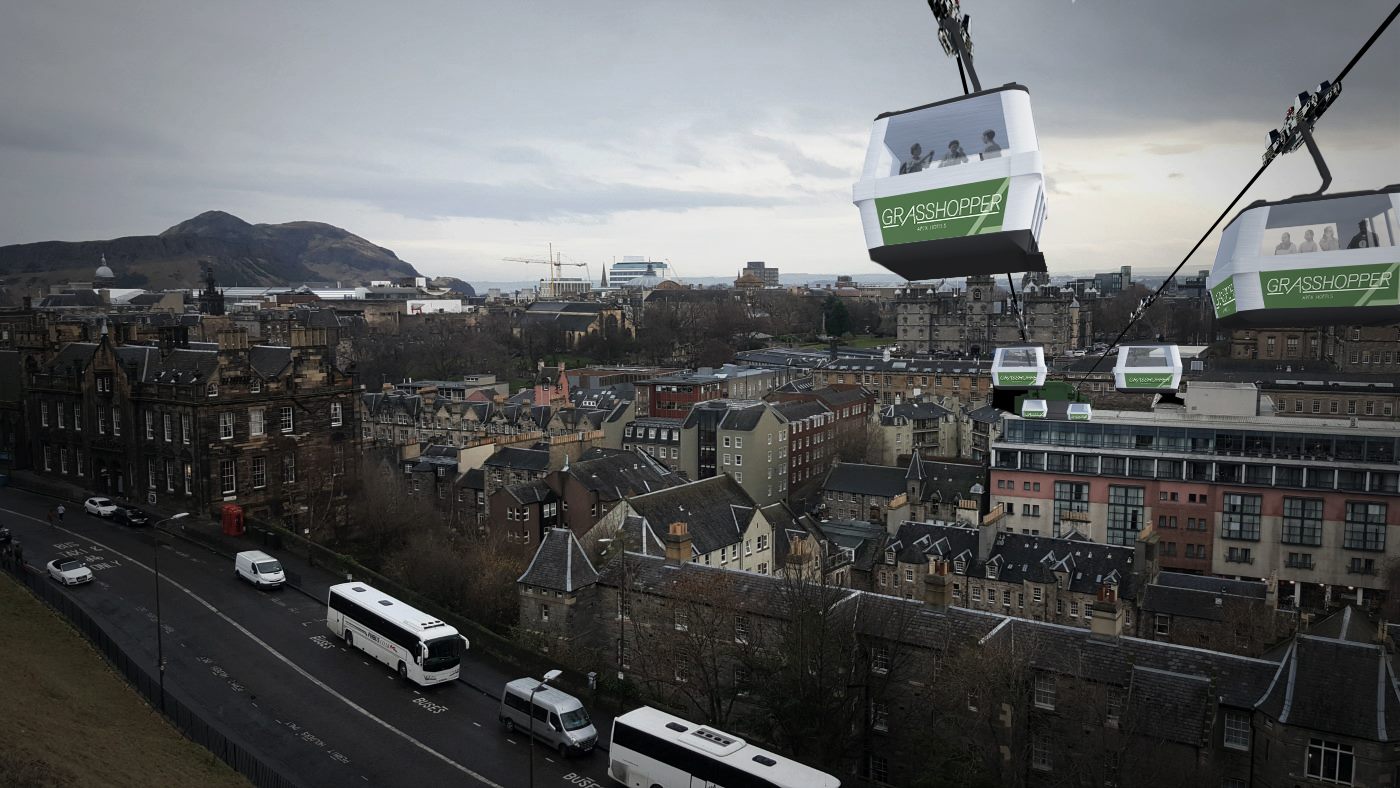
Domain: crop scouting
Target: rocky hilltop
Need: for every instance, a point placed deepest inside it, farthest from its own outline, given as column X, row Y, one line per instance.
column 242, row 254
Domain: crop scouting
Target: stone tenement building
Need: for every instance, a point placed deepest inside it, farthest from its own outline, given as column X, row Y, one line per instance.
column 972, row 697
column 194, row 426
column 981, row 318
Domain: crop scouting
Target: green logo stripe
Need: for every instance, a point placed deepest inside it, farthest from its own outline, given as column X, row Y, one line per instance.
column 1222, row 296
column 1377, row 284
column 952, row 212
column 1147, row 380
column 1015, row 379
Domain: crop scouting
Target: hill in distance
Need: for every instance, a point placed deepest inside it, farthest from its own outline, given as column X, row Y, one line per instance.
column 242, row 254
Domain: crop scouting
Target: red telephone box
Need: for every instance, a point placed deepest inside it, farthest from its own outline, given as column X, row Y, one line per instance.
column 233, row 519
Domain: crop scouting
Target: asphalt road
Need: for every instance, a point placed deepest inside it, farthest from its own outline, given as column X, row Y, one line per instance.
column 264, row 666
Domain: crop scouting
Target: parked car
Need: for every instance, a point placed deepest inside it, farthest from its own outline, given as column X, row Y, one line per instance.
column 69, row 571
column 130, row 515
column 102, row 507
column 259, row 568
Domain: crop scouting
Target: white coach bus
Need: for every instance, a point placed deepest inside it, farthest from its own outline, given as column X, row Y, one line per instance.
column 421, row 648
column 652, row 748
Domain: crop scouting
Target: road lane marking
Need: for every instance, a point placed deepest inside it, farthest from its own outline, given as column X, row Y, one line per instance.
column 366, row 713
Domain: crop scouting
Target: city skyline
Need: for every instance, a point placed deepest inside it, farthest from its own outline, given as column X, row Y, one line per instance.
column 706, row 135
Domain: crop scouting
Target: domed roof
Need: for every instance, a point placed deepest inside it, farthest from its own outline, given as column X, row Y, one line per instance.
column 103, row 271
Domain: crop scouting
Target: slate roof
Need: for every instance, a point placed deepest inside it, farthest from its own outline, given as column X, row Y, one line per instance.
column 716, row 510
column 885, row 481
column 1237, row 681
column 144, row 363
column 836, row 398
column 1174, row 706
column 865, row 540
column 531, row 492
column 986, row 414
column 797, row 410
column 1015, row 558
column 1336, row 686
column 474, row 479
column 918, row 411
column 618, row 474
column 519, row 459
column 739, row 415
column 1214, row 585
column 560, row 564
column 765, row 595
column 948, row 481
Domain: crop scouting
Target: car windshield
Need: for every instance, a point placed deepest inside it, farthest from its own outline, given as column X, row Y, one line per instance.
column 101, row 502
column 268, row 567
column 68, row 566
column 573, row 720
column 443, row 653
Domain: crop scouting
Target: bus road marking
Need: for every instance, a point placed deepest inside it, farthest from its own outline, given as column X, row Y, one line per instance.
column 279, row 656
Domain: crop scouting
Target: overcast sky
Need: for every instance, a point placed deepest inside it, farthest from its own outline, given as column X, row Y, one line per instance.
column 710, row 133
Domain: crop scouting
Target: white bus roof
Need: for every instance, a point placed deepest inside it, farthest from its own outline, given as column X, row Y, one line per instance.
column 728, row 748
column 410, row 618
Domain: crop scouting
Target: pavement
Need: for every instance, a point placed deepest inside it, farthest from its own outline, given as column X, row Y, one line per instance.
column 263, row 667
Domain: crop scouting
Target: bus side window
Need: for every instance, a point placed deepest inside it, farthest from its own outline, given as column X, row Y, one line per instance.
column 541, row 714
column 554, row 722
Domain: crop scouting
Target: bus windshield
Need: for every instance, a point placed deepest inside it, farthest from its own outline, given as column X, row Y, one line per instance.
column 573, row 720
column 443, row 653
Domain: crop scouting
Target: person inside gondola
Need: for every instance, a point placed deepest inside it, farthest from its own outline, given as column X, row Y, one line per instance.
column 1285, row 245
column 1329, row 239
column 1308, row 245
column 991, row 149
column 955, row 155
column 1363, row 238
column 918, row 161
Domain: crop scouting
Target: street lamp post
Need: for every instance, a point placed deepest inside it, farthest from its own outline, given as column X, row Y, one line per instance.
column 548, row 677
column 160, row 641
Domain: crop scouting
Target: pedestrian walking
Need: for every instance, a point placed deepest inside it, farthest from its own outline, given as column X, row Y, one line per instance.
column 60, row 513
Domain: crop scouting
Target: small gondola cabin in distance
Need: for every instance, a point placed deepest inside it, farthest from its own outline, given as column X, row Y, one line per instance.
column 955, row 188
column 1310, row 260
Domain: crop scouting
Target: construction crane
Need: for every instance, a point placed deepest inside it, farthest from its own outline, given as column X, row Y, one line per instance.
column 556, row 265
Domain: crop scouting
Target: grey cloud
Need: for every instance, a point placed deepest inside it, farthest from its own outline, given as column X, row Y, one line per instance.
column 522, row 201
column 797, row 162
column 1174, row 175
column 1173, row 149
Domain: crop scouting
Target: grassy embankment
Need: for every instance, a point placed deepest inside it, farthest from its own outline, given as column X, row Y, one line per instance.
column 70, row 720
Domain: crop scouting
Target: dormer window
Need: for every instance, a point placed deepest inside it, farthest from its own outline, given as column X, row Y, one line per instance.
column 255, row 386
column 212, row 390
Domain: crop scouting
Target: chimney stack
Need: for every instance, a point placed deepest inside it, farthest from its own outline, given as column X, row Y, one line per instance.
column 678, row 544
column 938, row 585
column 1107, row 621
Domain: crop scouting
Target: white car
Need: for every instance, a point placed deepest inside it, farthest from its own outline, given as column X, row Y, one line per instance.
column 69, row 571
column 102, row 507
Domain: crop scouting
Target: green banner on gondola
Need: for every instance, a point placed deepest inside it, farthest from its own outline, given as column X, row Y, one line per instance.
column 1377, row 284
column 1150, row 381
column 954, row 212
column 1222, row 296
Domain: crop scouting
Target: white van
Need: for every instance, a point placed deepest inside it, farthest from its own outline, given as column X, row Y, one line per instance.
column 259, row 568
column 561, row 721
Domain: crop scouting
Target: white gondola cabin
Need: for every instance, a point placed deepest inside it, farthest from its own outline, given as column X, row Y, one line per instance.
column 1018, row 368
column 955, row 188
column 1034, row 409
column 1311, row 260
column 1079, row 411
column 1147, row 369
